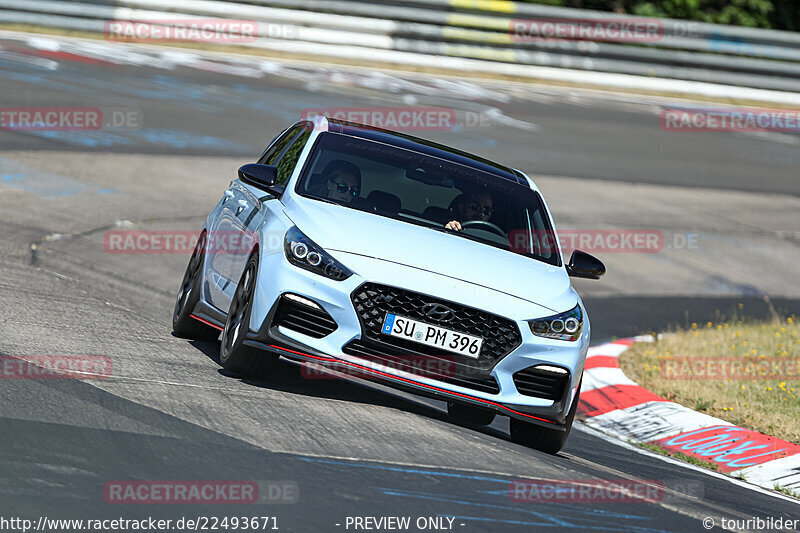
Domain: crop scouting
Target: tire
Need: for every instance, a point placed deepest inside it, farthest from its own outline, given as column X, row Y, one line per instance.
column 183, row 325
column 541, row 438
column 233, row 354
column 467, row 414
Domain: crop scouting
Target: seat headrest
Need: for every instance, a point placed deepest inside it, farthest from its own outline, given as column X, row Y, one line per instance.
column 437, row 214
column 384, row 202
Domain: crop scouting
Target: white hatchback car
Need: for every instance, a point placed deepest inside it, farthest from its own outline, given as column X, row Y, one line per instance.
column 394, row 258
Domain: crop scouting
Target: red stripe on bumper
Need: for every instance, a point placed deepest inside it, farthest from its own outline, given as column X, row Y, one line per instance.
column 398, row 378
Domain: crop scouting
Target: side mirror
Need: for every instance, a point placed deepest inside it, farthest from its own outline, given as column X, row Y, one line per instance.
column 262, row 177
column 583, row 265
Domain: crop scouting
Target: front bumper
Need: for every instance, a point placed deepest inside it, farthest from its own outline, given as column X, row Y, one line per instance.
column 278, row 277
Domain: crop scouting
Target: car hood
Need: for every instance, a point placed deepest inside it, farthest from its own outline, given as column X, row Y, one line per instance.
column 338, row 228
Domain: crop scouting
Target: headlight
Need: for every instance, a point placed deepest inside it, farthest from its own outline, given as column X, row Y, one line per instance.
column 305, row 253
column 564, row 327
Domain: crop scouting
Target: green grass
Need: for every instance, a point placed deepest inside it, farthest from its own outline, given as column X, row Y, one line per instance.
column 770, row 404
column 787, row 491
column 678, row 455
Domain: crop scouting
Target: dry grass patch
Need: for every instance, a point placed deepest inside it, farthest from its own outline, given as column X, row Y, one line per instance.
column 743, row 371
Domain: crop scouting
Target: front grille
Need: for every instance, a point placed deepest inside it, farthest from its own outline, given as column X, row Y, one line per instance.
column 540, row 383
column 303, row 318
column 500, row 335
column 420, row 364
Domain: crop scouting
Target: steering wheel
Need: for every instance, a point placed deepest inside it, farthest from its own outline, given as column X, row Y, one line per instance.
column 485, row 224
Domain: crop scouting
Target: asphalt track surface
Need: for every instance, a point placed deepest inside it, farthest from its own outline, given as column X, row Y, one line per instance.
column 170, row 413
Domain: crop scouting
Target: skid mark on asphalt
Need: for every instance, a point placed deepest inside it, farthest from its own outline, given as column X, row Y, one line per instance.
column 420, row 471
column 560, row 515
column 497, row 521
column 556, row 514
column 256, row 67
column 13, row 60
column 221, row 100
column 160, row 87
column 316, row 78
column 47, row 81
column 172, row 138
column 15, row 175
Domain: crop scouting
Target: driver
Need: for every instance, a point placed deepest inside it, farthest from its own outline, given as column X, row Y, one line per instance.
column 342, row 181
column 467, row 207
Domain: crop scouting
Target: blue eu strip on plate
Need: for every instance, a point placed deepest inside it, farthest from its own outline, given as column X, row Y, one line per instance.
column 388, row 323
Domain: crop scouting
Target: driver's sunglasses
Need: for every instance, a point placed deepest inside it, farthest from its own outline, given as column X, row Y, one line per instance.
column 485, row 210
column 342, row 188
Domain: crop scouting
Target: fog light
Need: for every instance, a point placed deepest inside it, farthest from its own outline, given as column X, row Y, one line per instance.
column 302, row 300
column 553, row 369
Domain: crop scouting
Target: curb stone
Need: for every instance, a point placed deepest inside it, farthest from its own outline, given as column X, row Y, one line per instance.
column 613, row 404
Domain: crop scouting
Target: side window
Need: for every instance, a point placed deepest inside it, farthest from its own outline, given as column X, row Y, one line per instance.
column 289, row 159
column 276, row 149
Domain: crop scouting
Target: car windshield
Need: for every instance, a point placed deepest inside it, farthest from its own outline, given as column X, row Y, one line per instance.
column 424, row 190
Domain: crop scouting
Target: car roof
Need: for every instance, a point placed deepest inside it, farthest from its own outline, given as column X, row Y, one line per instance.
column 427, row 147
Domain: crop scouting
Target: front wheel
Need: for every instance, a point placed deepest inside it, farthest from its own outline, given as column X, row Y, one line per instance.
column 234, row 355
column 183, row 325
column 542, row 438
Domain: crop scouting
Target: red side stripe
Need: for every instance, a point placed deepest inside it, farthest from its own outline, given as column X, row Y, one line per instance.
column 206, row 322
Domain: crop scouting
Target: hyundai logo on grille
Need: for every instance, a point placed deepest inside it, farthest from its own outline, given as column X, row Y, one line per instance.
column 439, row 312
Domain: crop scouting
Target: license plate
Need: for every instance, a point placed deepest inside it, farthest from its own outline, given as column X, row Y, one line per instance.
column 430, row 335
